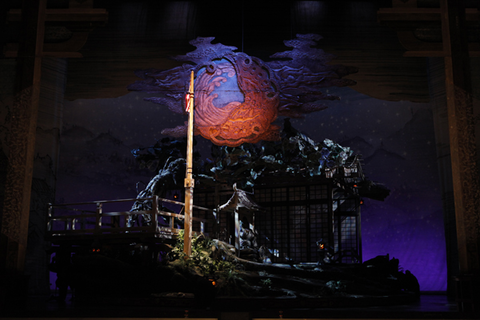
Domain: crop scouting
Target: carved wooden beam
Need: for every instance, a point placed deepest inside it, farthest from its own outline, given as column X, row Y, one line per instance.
column 88, row 17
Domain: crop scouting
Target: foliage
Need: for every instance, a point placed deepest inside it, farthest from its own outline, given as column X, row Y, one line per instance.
column 336, row 287
column 210, row 260
column 295, row 153
column 202, row 258
column 267, row 283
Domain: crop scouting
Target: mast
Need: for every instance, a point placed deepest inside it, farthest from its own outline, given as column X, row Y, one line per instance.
column 189, row 181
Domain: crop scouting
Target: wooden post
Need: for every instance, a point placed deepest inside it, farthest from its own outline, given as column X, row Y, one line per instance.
column 172, row 223
column 461, row 126
column 49, row 218
column 189, row 181
column 154, row 214
column 462, row 194
column 98, row 222
column 237, row 232
column 21, row 146
column 216, row 226
column 462, row 135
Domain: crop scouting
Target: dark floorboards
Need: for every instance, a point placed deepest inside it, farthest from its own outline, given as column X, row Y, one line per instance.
column 428, row 306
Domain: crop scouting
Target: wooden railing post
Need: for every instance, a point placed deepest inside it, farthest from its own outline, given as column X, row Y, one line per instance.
column 49, row 217
column 75, row 224
column 154, row 213
column 98, row 224
column 172, row 223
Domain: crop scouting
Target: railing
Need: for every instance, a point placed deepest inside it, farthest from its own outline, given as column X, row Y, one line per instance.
column 90, row 218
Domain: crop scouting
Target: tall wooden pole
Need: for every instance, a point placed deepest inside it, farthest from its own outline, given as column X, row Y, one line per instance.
column 21, row 145
column 189, row 181
column 462, row 135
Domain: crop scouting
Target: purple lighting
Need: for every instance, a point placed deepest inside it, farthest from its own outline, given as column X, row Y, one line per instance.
column 408, row 225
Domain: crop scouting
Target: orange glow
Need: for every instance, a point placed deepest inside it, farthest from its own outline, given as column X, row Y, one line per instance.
column 249, row 109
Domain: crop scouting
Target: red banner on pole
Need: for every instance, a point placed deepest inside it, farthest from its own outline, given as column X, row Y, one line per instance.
column 189, row 95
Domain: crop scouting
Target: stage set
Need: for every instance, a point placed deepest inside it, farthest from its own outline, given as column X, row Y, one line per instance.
column 240, row 161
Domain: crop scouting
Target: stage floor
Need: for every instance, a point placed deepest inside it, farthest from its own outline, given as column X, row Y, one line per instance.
column 429, row 306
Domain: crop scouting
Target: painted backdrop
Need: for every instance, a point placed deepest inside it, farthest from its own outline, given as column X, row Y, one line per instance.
column 396, row 140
